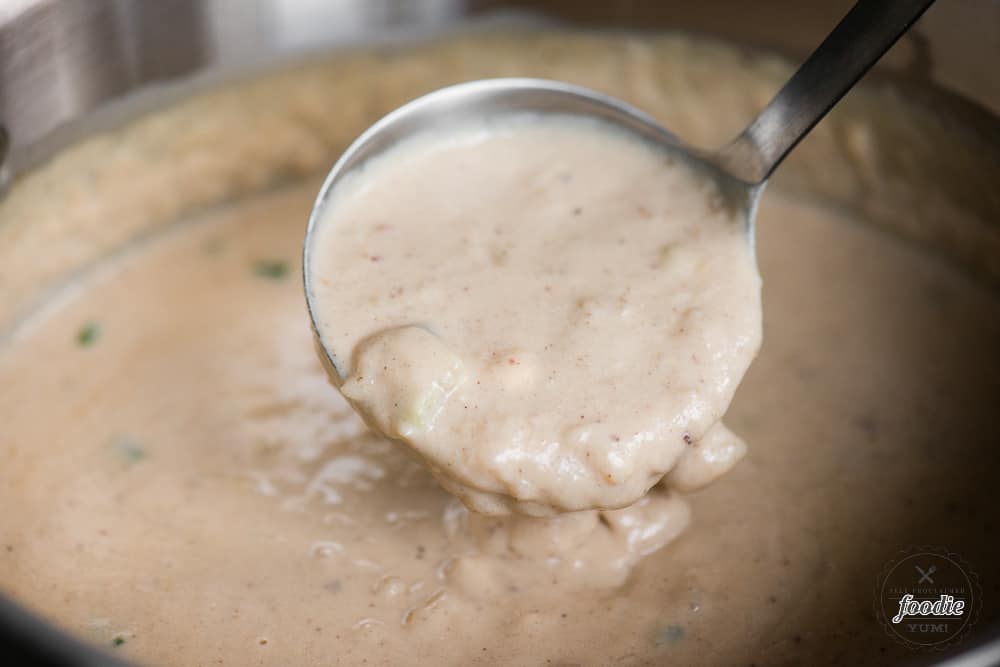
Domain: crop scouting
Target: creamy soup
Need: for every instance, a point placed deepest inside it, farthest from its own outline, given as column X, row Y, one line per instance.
column 181, row 485
column 551, row 312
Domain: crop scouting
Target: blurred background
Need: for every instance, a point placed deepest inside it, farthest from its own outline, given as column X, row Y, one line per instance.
column 60, row 58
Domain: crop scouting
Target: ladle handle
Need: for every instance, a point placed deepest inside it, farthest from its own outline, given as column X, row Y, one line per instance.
column 858, row 41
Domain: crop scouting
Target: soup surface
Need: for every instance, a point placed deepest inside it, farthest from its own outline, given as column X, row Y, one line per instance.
column 181, row 485
column 179, row 473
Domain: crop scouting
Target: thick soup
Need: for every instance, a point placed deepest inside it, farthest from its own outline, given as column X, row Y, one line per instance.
column 552, row 312
column 180, row 484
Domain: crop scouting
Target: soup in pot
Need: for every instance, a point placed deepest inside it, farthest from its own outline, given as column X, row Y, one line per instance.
column 181, row 484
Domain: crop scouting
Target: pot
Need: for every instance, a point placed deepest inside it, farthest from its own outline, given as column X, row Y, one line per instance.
column 71, row 71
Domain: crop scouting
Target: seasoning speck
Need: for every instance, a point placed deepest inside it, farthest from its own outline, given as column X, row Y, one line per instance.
column 117, row 640
column 272, row 269
column 88, row 334
column 213, row 247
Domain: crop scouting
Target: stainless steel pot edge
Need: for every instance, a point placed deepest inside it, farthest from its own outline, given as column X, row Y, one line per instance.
column 68, row 69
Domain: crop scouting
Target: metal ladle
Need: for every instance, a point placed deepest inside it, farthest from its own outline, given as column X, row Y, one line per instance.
column 742, row 166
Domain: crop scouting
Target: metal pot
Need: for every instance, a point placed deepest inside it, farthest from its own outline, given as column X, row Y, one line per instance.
column 70, row 69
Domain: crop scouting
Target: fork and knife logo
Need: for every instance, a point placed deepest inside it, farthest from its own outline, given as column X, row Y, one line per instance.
column 925, row 575
column 927, row 597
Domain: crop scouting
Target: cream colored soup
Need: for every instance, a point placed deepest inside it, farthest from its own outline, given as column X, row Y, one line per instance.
column 180, row 484
column 180, row 479
column 551, row 312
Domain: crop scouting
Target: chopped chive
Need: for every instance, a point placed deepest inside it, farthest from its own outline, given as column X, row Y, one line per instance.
column 88, row 334
column 118, row 641
column 272, row 269
column 128, row 449
column 663, row 255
